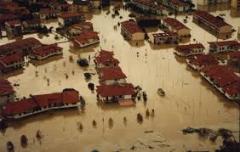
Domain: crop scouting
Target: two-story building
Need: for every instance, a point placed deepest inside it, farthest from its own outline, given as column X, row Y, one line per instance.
column 176, row 26
column 224, row 46
column 189, row 49
column 70, row 18
column 214, row 24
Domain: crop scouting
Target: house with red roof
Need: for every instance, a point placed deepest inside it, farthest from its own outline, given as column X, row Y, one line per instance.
column 197, row 62
column 131, row 31
column 35, row 104
column 224, row 46
column 105, row 59
column 176, row 26
column 14, row 28
column 79, row 28
column 70, row 18
column 190, row 49
column 45, row 51
column 111, row 75
column 85, row 39
column 215, row 25
column 115, row 93
column 11, row 62
column 224, row 79
column 163, row 38
column 7, row 92
column 24, row 46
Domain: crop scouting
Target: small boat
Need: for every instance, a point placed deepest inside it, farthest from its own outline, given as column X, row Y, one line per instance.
column 161, row 92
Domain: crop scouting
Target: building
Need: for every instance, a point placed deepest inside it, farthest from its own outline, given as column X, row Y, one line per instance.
column 163, row 38
column 190, row 49
column 111, row 76
column 70, row 18
column 35, row 104
column 115, row 93
column 235, row 4
column 197, row 62
column 149, row 6
column 48, row 13
column 105, row 59
column 215, row 25
column 131, row 31
column 7, row 92
column 24, row 46
column 224, row 79
column 234, row 59
column 85, row 39
column 212, row 2
column 77, row 29
column 11, row 62
column 14, row 28
column 223, row 46
column 178, row 5
column 45, row 52
column 178, row 27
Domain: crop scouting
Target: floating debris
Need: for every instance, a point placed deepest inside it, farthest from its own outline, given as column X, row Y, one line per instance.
column 147, row 113
column 110, row 122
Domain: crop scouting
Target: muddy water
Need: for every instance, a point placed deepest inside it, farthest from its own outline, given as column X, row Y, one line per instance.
column 189, row 101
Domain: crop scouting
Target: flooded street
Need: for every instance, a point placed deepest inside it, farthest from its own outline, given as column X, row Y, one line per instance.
column 189, row 100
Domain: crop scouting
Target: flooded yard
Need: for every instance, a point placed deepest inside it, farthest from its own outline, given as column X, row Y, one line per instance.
column 189, row 100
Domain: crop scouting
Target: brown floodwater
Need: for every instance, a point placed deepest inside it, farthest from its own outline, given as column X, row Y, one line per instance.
column 189, row 101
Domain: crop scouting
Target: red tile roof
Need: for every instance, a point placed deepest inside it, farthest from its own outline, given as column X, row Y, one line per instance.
column 203, row 60
column 46, row 50
column 131, row 27
column 106, row 60
column 222, row 75
column 175, row 24
column 216, row 22
column 19, row 45
column 68, row 96
column 165, row 34
column 232, row 89
column 113, row 73
column 5, row 87
column 87, row 26
column 115, row 90
column 84, row 37
column 105, row 53
column 24, row 105
column 7, row 17
column 11, row 59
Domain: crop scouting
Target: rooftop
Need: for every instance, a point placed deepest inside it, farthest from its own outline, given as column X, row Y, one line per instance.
column 217, row 22
column 115, row 90
column 113, row 73
column 5, row 87
column 174, row 23
column 131, row 27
